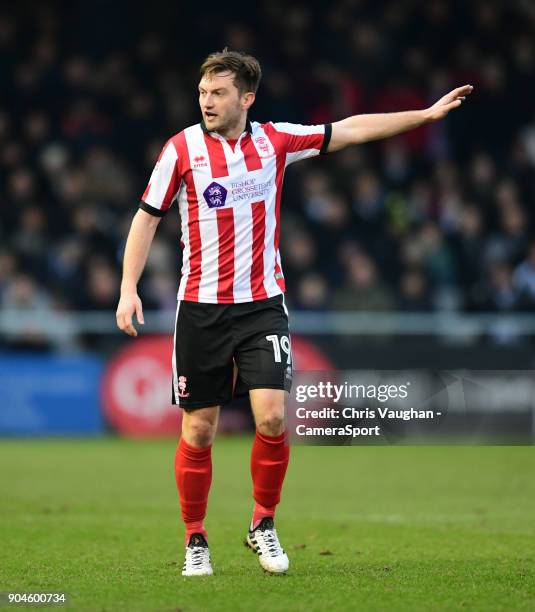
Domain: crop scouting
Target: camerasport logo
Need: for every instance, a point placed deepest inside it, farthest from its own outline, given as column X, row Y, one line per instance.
column 136, row 389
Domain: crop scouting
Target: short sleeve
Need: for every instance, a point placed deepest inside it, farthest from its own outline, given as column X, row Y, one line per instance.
column 164, row 182
column 303, row 141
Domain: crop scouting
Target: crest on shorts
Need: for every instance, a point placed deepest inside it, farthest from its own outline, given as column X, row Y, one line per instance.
column 182, row 381
column 215, row 195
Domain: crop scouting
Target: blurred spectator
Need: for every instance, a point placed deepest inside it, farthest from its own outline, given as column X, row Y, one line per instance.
column 511, row 241
column 102, row 283
column 437, row 256
column 21, row 295
column 368, row 198
column 363, row 289
column 501, row 295
column 8, row 266
column 524, row 278
column 299, row 252
column 414, row 291
column 312, row 293
column 469, row 242
column 30, row 241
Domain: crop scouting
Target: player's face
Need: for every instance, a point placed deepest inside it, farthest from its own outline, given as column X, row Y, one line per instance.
column 221, row 104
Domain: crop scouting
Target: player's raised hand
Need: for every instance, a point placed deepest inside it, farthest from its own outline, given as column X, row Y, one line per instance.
column 451, row 100
column 128, row 305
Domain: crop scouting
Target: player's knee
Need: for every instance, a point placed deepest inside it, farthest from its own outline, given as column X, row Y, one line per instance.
column 198, row 432
column 271, row 424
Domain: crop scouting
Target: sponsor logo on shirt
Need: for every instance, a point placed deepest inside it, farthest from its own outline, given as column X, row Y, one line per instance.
column 215, row 195
column 199, row 161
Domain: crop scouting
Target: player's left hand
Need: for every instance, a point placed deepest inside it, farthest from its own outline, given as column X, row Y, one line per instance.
column 451, row 100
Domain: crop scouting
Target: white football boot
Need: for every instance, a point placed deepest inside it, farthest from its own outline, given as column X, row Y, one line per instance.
column 264, row 542
column 197, row 561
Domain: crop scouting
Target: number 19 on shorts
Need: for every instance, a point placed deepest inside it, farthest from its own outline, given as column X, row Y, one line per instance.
column 280, row 345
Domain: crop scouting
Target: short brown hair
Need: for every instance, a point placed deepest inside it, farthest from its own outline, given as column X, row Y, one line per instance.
column 245, row 67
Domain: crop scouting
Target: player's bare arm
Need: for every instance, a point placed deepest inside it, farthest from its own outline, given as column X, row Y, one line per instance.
column 365, row 128
column 135, row 257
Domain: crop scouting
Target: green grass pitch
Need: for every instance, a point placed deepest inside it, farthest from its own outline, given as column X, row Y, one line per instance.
column 369, row 528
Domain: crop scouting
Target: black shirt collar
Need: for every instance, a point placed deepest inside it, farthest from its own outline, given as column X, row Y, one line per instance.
column 248, row 127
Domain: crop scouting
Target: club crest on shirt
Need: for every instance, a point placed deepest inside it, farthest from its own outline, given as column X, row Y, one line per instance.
column 215, row 195
column 264, row 147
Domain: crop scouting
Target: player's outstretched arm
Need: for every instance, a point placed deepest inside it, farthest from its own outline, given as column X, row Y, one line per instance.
column 364, row 128
column 136, row 252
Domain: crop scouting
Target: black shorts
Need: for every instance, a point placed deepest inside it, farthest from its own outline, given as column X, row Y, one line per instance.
column 211, row 338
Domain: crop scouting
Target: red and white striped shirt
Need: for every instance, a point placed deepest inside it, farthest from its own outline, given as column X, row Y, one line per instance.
column 229, row 204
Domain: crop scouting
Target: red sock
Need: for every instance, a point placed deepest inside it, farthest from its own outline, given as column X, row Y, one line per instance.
column 193, row 473
column 269, row 460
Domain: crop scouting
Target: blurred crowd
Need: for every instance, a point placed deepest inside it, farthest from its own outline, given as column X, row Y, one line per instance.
column 437, row 219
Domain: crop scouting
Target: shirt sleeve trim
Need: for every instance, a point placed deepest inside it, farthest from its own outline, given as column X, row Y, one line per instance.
column 156, row 212
column 326, row 138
